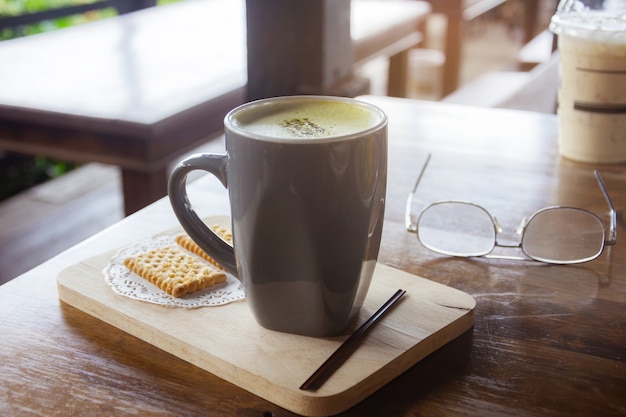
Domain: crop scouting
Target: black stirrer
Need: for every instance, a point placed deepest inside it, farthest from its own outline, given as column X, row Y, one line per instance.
column 347, row 347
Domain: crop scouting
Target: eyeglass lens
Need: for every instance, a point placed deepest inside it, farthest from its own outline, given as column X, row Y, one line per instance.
column 556, row 235
column 563, row 235
column 456, row 228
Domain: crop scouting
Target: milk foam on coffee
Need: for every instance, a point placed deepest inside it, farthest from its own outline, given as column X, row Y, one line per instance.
column 307, row 120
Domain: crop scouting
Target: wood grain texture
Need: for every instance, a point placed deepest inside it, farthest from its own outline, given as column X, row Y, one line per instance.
column 228, row 342
column 547, row 340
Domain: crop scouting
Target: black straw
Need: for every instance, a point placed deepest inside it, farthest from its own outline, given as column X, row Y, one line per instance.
column 347, row 347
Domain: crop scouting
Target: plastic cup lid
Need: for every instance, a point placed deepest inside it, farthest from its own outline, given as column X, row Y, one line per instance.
column 591, row 19
column 605, row 25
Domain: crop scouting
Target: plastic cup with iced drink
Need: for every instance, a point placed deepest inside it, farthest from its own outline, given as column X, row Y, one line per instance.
column 592, row 91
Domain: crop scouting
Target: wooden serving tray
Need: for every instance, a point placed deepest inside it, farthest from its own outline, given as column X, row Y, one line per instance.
column 227, row 341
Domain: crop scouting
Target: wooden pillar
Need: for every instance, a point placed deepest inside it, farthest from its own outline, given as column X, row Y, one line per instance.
column 531, row 16
column 300, row 47
column 453, row 49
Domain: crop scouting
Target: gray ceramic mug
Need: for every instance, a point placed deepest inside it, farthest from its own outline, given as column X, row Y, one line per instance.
column 306, row 178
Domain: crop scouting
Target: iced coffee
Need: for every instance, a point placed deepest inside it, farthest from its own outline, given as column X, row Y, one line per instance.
column 592, row 92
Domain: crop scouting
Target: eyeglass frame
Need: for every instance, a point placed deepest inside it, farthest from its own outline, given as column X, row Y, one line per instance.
column 412, row 227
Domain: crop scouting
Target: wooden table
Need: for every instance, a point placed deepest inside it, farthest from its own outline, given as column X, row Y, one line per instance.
column 547, row 340
column 139, row 90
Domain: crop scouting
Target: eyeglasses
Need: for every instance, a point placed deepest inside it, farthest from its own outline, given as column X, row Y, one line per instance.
column 555, row 235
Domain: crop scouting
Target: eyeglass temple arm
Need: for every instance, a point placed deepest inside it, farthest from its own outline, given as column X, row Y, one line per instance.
column 612, row 238
column 408, row 220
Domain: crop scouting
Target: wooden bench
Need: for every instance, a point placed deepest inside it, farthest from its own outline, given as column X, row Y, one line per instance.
column 139, row 90
column 458, row 13
column 534, row 90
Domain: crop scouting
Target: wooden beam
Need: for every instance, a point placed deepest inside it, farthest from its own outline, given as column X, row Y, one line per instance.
column 299, row 47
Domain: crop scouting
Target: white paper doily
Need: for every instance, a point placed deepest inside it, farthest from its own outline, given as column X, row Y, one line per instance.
column 128, row 284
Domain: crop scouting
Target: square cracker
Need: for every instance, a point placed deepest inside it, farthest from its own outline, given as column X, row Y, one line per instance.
column 175, row 271
column 187, row 243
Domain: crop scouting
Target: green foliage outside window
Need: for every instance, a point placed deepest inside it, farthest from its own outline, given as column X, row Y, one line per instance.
column 20, row 7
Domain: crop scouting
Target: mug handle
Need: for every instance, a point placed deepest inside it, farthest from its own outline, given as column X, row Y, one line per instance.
column 204, row 237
